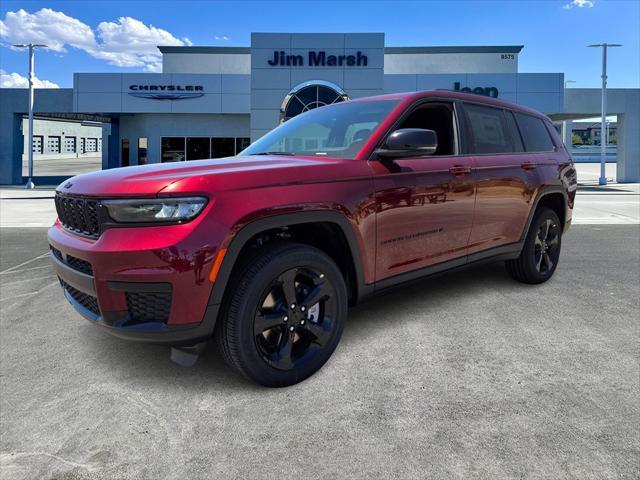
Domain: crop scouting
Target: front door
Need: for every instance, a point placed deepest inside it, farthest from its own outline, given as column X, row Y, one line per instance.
column 424, row 204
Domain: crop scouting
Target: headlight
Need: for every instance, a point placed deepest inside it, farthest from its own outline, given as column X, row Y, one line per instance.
column 155, row 210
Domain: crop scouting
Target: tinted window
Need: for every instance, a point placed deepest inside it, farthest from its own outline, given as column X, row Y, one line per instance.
column 534, row 133
column 489, row 130
column 515, row 134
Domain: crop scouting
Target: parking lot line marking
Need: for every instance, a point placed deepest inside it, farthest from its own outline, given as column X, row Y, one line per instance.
column 26, row 279
column 26, row 269
column 16, row 455
column 30, row 293
column 25, row 263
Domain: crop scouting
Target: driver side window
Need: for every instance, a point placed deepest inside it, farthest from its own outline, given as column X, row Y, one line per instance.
column 439, row 118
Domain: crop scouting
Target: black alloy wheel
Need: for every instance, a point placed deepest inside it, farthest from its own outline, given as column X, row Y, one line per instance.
column 284, row 314
column 295, row 318
column 546, row 246
column 541, row 251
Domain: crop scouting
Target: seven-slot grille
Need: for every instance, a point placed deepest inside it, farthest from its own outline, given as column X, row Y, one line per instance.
column 78, row 214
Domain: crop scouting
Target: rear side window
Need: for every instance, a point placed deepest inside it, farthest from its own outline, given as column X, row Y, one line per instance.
column 515, row 133
column 489, row 129
column 534, row 134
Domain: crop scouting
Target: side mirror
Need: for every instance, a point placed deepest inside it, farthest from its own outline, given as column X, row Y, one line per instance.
column 409, row 142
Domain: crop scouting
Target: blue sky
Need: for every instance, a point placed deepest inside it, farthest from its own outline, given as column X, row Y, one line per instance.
column 116, row 36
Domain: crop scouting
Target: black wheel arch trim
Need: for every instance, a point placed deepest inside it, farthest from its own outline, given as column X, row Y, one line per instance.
column 543, row 192
column 248, row 231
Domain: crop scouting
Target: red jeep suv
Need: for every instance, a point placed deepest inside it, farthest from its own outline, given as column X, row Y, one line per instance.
column 266, row 250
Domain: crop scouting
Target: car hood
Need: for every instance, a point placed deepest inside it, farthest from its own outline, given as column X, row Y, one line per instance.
column 195, row 176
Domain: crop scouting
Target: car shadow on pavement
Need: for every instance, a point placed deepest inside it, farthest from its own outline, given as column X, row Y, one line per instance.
column 432, row 295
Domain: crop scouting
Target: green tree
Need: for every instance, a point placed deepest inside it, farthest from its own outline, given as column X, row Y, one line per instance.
column 576, row 139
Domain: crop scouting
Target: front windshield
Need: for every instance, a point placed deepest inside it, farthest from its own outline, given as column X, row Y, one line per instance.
column 337, row 131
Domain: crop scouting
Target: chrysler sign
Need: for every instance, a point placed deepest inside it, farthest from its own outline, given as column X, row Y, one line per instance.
column 166, row 92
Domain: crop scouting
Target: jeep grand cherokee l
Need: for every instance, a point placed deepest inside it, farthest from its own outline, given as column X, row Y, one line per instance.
column 266, row 250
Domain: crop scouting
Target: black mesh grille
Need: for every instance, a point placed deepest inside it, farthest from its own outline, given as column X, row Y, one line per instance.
column 149, row 306
column 78, row 214
column 87, row 301
column 80, row 265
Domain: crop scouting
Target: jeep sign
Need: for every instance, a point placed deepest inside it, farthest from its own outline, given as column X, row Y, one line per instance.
column 486, row 91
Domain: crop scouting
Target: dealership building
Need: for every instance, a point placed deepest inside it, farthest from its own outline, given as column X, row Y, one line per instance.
column 211, row 102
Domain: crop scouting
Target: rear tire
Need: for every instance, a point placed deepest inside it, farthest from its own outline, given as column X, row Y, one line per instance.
column 283, row 315
column 541, row 252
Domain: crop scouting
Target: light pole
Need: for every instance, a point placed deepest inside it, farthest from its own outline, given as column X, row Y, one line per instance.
column 603, row 120
column 31, row 47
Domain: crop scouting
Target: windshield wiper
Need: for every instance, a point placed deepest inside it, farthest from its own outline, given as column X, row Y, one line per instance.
column 273, row 153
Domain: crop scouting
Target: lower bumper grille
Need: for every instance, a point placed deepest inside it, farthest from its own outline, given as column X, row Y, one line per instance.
column 87, row 301
column 149, row 306
column 80, row 265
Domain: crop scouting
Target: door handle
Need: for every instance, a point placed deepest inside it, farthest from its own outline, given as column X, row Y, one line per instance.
column 528, row 165
column 459, row 170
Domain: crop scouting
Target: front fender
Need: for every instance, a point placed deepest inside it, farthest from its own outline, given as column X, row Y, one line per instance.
column 243, row 232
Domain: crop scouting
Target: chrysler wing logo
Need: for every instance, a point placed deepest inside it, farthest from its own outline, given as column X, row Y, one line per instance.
column 166, row 92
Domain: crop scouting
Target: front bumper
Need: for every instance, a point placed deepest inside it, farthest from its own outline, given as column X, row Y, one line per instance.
column 159, row 294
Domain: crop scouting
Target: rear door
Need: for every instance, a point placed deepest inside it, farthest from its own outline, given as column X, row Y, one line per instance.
column 505, row 182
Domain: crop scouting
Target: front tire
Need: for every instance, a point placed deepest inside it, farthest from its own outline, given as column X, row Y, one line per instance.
column 541, row 252
column 284, row 314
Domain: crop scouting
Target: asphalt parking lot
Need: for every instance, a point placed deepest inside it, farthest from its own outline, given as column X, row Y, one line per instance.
column 465, row 375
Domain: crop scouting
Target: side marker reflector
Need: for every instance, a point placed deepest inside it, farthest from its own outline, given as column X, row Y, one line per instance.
column 217, row 264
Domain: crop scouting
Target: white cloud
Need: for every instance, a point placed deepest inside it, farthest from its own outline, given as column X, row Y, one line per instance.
column 222, row 37
column 46, row 26
column 15, row 80
column 579, row 4
column 127, row 42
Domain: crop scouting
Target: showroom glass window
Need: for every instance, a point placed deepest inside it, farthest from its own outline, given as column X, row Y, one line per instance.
column 242, row 143
column 198, row 148
column 172, row 149
column 177, row 149
column 223, row 147
column 142, row 150
column 124, row 152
